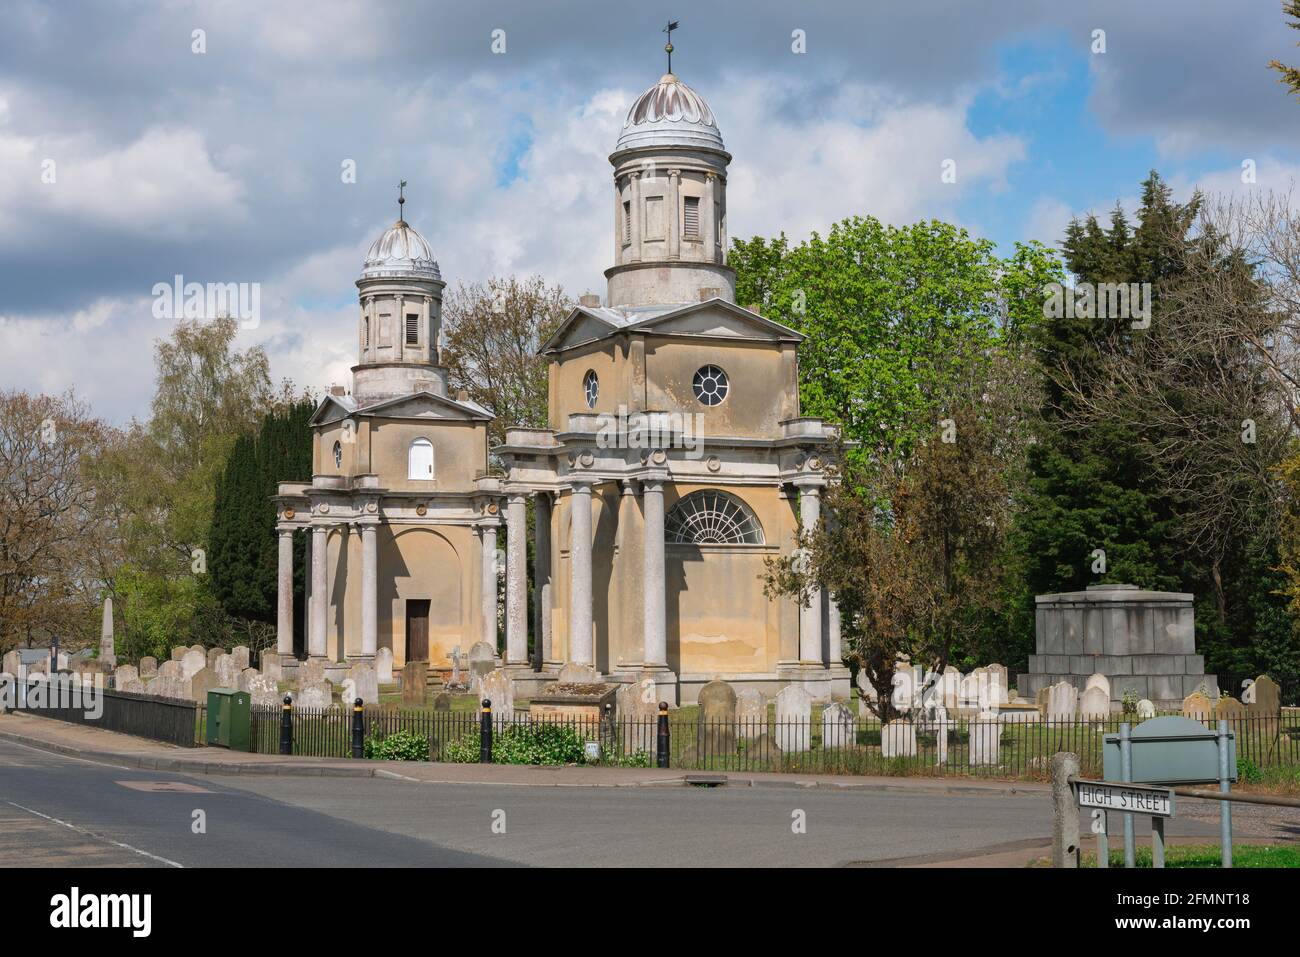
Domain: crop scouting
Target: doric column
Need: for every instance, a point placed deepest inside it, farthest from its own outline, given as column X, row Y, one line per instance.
column 810, row 617
column 542, row 577
column 581, row 649
column 369, row 590
column 834, row 650
column 490, row 585
column 516, row 581
column 674, row 214
column 634, row 253
column 654, row 633
column 709, row 223
column 319, row 592
column 284, row 594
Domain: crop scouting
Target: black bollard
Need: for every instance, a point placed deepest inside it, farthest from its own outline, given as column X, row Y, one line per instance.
column 358, row 730
column 661, row 746
column 485, row 734
column 286, row 726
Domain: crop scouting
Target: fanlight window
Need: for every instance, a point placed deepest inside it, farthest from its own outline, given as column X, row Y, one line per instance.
column 712, row 518
column 710, row 385
column 591, row 388
column 420, row 460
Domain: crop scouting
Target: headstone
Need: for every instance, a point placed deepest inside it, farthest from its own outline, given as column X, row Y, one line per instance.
column 1231, row 710
column 1098, row 680
column 985, row 740
column 898, row 739
column 1095, row 703
column 171, row 669
column 13, row 662
column 1267, row 697
column 865, row 686
column 1040, row 699
column 384, row 665
column 415, row 680
column 124, row 673
column 1146, row 709
column 838, row 726
column 497, row 687
column 637, row 706
column 227, row 670
column 131, row 686
column 973, row 693
column 107, row 656
column 717, row 728
column 764, row 748
column 1062, row 701
column 263, row 691
column 193, row 662
column 148, row 666
column 178, row 653
column 245, row 678
column 793, row 718
column 1198, row 706
column 311, row 672
column 240, row 654
column 348, row 693
column 273, row 666
column 366, row 681
column 950, row 687
column 317, row 695
column 999, row 688
column 570, row 674
column 41, row 666
column 442, row 701
column 214, row 655
column 198, row 647
column 482, row 662
column 203, row 681
column 168, row 686
column 751, row 714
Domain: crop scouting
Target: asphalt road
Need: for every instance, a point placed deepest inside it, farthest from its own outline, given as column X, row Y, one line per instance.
column 63, row 811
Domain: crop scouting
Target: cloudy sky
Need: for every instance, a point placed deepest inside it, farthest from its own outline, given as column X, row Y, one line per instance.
column 126, row 157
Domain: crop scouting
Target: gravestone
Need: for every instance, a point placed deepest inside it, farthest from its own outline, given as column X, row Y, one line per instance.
column 201, row 682
column 166, row 686
column 1062, row 701
column 263, row 691
column 765, row 748
column 1098, row 680
column 178, row 653
column 227, row 671
column 717, row 729
column 985, row 741
column 348, row 694
column 240, row 654
column 898, row 739
column 1231, row 710
column 1095, row 703
column 999, row 688
column 199, row 648
column 311, row 672
column 40, row 666
column 415, row 680
column 193, row 663
column 751, row 714
column 384, row 665
column 482, row 662
column 637, row 706
column 1198, row 706
column 1267, row 697
column 245, row 677
column 973, row 694
column 148, row 666
column 131, row 686
column 838, row 725
column 497, row 687
column 124, row 673
column 570, row 674
column 949, row 687
column 213, row 656
column 317, row 695
column 1040, row 700
column 13, row 662
column 366, row 681
column 906, row 686
column 171, row 669
column 273, row 666
column 1146, row 709
column 793, row 718
column 442, row 701
column 865, row 687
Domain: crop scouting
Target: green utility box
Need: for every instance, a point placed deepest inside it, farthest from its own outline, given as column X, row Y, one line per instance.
column 229, row 718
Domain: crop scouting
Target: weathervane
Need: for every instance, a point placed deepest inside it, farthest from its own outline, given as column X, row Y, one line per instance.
column 401, row 200
column 668, row 47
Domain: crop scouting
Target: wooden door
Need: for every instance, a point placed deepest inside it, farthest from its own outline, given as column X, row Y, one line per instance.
column 417, row 629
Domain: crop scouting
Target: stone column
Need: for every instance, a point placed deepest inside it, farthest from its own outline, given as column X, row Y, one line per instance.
column 654, row 634
column 542, row 577
column 369, row 591
column 319, row 594
column 835, row 651
column 708, row 224
column 674, row 214
column 581, row 650
column 489, row 612
column 810, row 617
column 516, row 581
column 284, row 595
column 634, row 252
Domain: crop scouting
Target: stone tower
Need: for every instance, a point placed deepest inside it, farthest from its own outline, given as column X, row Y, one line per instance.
column 670, row 202
column 400, row 290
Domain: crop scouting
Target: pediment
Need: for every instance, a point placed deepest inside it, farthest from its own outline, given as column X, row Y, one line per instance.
column 425, row 405
column 578, row 328
column 718, row 319
column 333, row 409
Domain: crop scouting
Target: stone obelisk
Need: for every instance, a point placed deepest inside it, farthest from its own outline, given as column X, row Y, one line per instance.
column 107, row 658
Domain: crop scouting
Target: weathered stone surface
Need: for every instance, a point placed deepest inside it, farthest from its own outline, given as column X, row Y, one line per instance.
column 637, row 706
column 717, row 729
column 167, row 686
column 1040, row 699
column 1231, row 710
column 124, row 673
column 148, row 666
column 1099, row 680
column 132, row 686
column 793, row 718
column 1094, row 704
column 384, row 665
column 203, row 681
column 949, row 688
column 1146, row 709
column 178, row 653
column 999, row 687
column 765, row 748
column 240, row 654
column 273, row 666
column 213, row 656
column 415, row 680
column 985, row 741
column 865, row 686
column 1062, row 701
column 366, row 679
column 442, row 701
column 245, row 677
column 41, row 666
column 171, row 669
column 482, row 662
column 838, row 726
column 497, row 687
column 13, row 662
column 263, row 691
column 751, row 714
column 898, row 739
column 1197, row 705
column 1267, row 695
column 573, row 674
column 318, row 695
column 227, row 671
column 192, row 663
column 348, row 693
column 311, row 671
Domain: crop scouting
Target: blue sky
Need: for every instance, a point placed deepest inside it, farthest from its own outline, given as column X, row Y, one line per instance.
column 224, row 165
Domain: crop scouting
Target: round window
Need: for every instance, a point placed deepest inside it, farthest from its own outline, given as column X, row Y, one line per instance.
column 591, row 388
column 710, row 385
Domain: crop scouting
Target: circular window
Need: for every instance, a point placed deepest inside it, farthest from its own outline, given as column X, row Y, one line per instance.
column 591, row 388
column 710, row 385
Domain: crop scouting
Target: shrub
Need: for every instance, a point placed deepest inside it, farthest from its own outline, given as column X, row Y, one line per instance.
column 462, row 750
column 1248, row 770
column 536, row 744
column 398, row 746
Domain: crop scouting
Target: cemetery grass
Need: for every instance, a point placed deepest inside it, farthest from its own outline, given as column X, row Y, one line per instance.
column 1209, row 855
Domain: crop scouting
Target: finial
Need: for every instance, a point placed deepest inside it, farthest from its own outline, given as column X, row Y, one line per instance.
column 401, row 201
column 668, row 47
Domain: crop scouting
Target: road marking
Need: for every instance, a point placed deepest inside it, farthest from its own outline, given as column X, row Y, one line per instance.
column 82, row 831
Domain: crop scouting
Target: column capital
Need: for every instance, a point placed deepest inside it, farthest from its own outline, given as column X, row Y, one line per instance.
column 582, row 484
column 653, row 483
column 810, row 485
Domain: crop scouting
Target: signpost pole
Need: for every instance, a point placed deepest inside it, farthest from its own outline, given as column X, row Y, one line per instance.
column 1126, row 775
column 1103, row 840
column 1225, row 807
column 1157, row 842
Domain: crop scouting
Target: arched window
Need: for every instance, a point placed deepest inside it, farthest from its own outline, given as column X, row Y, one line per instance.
column 711, row 517
column 338, row 455
column 591, row 388
column 420, row 460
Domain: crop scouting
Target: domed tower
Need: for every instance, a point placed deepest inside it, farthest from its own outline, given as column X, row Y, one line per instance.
column 670, row 202
column 400, row 290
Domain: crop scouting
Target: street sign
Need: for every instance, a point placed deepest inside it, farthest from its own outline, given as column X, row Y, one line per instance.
column 1170, row 750
column 1133, row 798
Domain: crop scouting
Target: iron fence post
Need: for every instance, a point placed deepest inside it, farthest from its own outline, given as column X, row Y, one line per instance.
column 485, row 733
column 358, row 730
column 286, row 726
column 662, row 742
